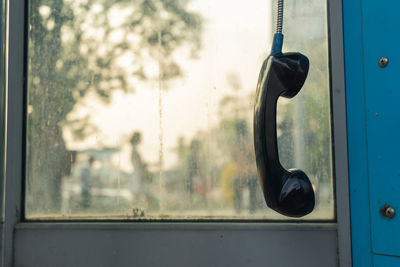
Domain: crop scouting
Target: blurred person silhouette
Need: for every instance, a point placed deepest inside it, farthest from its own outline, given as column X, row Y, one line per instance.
column 196, row 182
column 245, row 171
column 141, row 178
column 86, row 179
column 227, row 178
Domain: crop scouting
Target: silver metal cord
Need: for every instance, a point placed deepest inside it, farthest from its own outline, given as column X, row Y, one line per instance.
column 279, row 17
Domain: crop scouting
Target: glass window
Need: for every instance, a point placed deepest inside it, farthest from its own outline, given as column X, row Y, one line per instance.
column 143, row 109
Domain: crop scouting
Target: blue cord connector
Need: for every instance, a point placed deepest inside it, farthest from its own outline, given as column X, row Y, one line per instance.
column 277, row 44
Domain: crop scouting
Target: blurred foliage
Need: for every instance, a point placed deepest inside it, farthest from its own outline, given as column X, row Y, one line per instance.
column 82, row 46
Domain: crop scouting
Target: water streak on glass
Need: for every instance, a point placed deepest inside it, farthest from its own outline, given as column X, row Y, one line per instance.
column 160, row 118
column 142, row 110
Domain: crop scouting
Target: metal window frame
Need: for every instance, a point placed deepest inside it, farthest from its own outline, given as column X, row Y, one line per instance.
column 52, row 244
column 3, row 109
column 3, row 33
column 339, row 117
column 14, row 125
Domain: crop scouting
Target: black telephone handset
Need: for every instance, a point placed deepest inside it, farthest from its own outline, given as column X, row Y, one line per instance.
column 288, row 192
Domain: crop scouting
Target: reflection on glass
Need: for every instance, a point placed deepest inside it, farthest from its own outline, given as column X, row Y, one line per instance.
column 143, row 109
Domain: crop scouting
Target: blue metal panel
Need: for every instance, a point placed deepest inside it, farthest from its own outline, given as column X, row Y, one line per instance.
column 373, row 93
column 356, row 131
column 381, row 38
column 386, row 261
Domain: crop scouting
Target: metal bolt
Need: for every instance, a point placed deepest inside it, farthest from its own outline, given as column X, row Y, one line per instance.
column 389, row 212
column 383, row 61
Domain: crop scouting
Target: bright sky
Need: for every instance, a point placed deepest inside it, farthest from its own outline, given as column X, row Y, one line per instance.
column 236, row 39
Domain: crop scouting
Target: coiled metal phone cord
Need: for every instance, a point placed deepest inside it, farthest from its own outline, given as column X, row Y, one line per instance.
column 279, row 18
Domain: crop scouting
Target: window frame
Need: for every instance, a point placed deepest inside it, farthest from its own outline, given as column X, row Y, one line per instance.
column 22, row 239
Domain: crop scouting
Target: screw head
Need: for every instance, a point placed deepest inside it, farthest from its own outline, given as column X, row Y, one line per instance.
column 389, row 212
column 383, row 62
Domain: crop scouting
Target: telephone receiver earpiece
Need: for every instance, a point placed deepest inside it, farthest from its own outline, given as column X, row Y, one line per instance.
column 288, row 192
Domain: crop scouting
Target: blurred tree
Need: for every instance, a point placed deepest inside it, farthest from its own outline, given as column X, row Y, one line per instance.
column 92, row 46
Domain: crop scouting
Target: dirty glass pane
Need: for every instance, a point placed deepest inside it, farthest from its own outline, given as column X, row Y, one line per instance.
column 143, row 109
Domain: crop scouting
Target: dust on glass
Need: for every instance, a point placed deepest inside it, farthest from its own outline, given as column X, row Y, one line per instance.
column 143, row 109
